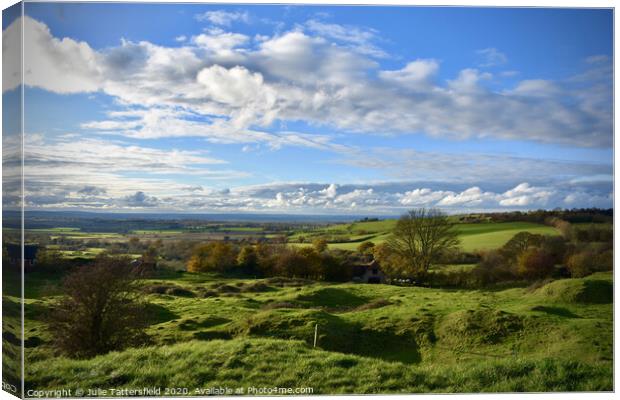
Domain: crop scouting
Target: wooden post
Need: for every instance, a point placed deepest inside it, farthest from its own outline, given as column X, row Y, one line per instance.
column 316, row 329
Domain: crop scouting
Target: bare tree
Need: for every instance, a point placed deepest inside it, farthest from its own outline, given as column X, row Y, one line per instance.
column 419, row 238
column 101, row 310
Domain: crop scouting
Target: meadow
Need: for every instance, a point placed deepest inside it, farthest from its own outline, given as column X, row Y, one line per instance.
column 210, row 331
column 473, row 236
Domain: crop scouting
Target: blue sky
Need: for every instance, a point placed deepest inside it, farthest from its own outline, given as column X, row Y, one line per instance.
column 301, row 109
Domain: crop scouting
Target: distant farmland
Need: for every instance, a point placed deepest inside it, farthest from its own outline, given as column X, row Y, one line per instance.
column 473, row 236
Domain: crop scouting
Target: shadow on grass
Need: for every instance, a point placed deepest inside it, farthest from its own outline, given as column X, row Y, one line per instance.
column 333, row 334
column 559, row 311
column 192, row 325
column 212, row 335
column 158, row 314
column 332, row 298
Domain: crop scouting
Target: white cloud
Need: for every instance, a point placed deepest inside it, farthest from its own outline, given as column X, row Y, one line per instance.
column 223, row 18
column 491, row 57
column 58, row 65
column 242, row 89
column 472, row 197
column 90, row 173
column 11, row 55
column 536, row 88
column 422, row 197
column 597, row 59
column 321, row 81
column 525, row 195
column 417, row 74
column 331, row 191
column 140, row 200
column 96, row 173
column 218, row 41
column 472, row 167
column 361, row 40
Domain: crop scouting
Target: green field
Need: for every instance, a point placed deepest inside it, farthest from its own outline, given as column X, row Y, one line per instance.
column 493, row 235
column 88, row 253
column 157, row 232
column 210, row 331
column 473, row 236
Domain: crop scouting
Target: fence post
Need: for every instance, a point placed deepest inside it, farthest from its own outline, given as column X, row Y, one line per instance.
column 316, row 329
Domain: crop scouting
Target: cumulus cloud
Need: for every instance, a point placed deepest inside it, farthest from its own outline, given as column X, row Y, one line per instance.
column 11, row 55
column 58, row 65
column 90, row 190
column 422, row 197
column 318, row 74
column 230, row 88
column 472, row 197
column 524, row 195
column 140, row 200
column 417, row 74
column 220, row 42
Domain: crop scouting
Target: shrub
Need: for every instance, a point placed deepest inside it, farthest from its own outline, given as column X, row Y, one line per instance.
column 294, row 264
column 101, row 310
column 534, row 263
column 214, row 256
column 365, row 247
column 580, row 264
column 320, row 245
column 335, row 268
column 51, row 261
column 492, row 268
column 391, row 263
column 519, row 243
column 248, row 260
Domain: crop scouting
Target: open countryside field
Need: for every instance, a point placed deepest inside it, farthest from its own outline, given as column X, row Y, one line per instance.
column 468, row 328
column 213, row 331
column 473, row 236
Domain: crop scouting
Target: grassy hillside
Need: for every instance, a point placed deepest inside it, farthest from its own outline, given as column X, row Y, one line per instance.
column 209, row 331
column 473, row 236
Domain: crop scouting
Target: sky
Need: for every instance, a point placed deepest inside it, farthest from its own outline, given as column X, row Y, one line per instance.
column 312, row 109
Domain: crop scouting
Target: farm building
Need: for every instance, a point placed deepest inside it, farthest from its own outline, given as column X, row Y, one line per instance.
column 14, row 255
column 369, row 273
